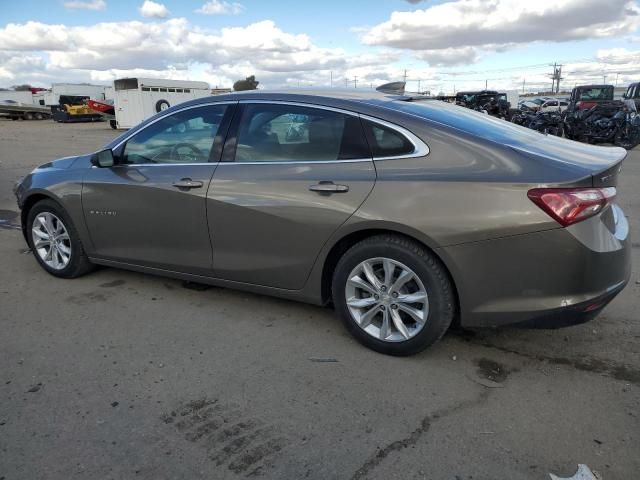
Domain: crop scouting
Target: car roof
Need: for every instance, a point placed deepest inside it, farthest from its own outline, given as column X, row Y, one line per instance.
column 594, row 86
column 353, row 94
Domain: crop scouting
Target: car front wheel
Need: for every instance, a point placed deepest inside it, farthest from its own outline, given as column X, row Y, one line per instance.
column 55, row 242
column 393, row 295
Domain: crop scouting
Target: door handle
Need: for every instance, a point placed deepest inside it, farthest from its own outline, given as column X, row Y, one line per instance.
column 328, row 187
column 187, row 183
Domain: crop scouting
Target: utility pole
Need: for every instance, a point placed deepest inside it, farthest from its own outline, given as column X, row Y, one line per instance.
column 617, row 74
column 355, row 81
column 405, row 76
column 486, row 84
column 418, row 86
column 331, row 78
column 556, row 76
column 523, row 81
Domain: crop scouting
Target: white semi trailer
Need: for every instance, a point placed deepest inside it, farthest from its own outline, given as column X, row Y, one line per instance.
column 136, row 99
column 94, row 92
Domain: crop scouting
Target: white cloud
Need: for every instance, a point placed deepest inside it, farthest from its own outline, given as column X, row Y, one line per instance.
column 153, row 9
column 41, row 53
column 85, row 5
column 618, row 56
column 221, row 7
column 173, row 48
column 503, row 23
column 447, row 57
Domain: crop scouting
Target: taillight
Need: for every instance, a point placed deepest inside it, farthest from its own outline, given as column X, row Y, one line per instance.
column 572, row 205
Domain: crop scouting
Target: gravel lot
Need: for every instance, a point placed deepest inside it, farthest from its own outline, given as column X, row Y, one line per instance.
column 121, row 375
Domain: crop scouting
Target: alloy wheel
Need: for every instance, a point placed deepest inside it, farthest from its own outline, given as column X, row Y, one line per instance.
column 387, row 299
column 51, row 240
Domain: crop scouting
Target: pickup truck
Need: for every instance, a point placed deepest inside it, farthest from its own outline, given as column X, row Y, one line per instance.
column 584, row 97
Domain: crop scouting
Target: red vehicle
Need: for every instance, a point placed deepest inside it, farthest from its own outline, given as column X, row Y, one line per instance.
column 584, row 97
column 101, row 107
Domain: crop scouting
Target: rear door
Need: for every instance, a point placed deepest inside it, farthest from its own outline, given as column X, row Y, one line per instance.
column 291, row 175
column 150, row 207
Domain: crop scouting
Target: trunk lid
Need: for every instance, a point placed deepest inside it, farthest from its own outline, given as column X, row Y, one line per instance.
column 603, row 164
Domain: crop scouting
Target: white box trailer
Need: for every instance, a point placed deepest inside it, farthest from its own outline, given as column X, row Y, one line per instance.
column 137, row 99
column 19, row 96
column 94, row 92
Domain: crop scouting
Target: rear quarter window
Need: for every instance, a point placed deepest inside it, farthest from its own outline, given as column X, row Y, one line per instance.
column 386, row 142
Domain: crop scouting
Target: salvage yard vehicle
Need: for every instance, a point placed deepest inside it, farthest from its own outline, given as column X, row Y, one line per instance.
column 105, row 109
column 490, row 101
column 73, row 108
column 408, row 215
column 633, row 93
column 584, row 97
column 610, row 122
column 532, row 105
column 544, row 122
column 593, row 116
column 554, row 106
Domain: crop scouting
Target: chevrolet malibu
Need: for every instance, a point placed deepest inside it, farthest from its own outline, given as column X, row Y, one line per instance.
column 408, row 215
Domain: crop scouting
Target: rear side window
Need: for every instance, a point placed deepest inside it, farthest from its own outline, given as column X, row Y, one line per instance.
column 290, row 133
column 386, row 142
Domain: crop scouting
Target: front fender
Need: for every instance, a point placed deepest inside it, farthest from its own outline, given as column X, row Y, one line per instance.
column 62, row 186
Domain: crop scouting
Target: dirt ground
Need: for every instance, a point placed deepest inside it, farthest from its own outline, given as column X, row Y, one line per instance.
column 119, row 375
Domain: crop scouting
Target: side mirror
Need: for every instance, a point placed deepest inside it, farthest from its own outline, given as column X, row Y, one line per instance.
column 103, row 159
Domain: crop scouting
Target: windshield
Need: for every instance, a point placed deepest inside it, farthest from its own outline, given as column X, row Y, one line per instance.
column 596, row 93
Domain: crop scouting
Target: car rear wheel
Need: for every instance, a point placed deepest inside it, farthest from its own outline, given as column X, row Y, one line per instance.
column 54, row 241
column 393, row 295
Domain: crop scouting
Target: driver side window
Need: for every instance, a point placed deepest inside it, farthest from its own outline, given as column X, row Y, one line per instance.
column 184, row 137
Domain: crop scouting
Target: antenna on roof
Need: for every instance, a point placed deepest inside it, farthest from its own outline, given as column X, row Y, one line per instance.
column 396, row 88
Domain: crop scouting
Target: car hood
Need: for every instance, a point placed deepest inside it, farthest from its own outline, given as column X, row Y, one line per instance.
column 60, row 164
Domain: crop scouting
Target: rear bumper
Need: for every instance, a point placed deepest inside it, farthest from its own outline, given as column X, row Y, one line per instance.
column 573, row 315
column 548, row 279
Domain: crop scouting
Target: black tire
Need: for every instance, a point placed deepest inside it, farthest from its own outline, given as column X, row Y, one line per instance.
column 425, row 265
column 113, row 124
column 78, row 264
column 162, row 105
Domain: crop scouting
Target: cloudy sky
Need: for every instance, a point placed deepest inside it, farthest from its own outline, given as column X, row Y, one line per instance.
column 442, row 45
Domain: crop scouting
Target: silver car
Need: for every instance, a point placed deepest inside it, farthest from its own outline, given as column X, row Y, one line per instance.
column 408, row 215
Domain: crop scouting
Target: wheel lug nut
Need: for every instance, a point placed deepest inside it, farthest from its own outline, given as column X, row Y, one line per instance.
column 376, row 296
column 382, row 307
column 383, row 288
column 394, row 306
column 394, row 294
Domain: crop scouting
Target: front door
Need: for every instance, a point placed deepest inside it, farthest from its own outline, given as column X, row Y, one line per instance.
column 150, row 207
column 294, row 175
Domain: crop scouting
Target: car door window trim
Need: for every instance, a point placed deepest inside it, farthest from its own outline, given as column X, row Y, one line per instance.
column 420, row 148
